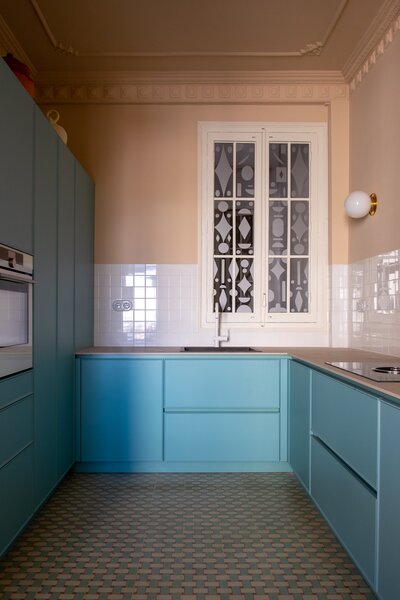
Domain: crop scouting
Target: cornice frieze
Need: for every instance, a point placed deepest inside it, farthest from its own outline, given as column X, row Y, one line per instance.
column 190, row 93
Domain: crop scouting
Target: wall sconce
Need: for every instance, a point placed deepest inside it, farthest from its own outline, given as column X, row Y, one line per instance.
column 358, row 204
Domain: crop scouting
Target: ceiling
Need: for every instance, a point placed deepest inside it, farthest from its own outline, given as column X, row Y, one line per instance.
column 78, row 37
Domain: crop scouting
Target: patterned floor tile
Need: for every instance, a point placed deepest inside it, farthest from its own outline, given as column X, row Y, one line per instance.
column 225, row 536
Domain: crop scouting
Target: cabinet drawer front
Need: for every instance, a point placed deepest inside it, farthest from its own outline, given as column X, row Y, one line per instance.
column 221, row 437
column 222, row 383
column 346, row 419
column 16, row 497
column 13, row 388
column 348, row 505
column 16, row 428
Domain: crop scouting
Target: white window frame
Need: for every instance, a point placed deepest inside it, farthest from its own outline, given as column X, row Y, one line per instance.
column 264, row 133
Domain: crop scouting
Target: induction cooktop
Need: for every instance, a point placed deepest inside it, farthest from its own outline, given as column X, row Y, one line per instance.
column 371, row 370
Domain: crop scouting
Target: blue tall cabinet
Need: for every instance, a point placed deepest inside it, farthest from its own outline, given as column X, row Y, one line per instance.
column 47, row 203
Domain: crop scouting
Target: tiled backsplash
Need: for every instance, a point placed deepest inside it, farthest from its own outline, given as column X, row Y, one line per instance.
column 158, row 305
column 374, row 311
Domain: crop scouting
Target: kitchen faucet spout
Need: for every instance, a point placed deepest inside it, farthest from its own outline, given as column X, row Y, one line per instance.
column 218, row 338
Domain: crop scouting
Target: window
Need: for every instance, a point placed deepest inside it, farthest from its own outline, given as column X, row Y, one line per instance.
column 264, row 222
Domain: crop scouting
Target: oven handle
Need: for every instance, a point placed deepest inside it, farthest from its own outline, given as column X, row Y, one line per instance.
column 15, row 277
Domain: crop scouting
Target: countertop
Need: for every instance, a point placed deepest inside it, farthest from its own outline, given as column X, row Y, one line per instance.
column 315, row 357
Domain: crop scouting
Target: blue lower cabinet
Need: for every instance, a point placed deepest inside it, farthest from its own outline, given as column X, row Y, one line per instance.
column 348, row 504
column 222, row 437
column 16, row 428
column 299, row 421
column 121, row 410
column 16, row 497
column 222, row 382
column 389, row 504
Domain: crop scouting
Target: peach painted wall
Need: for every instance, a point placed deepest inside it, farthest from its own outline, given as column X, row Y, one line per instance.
column 375, row 155
column 144, row 161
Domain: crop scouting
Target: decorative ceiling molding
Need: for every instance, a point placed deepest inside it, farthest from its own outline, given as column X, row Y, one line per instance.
column 191, row 77
column 9, row 43
column 165, row 93
column 312, row 48
column 371, row 40
column 376, row 53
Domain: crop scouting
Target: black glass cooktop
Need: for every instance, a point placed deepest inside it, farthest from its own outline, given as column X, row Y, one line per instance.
column 372, row 370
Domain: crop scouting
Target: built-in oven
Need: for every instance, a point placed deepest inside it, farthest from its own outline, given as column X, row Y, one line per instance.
column 16, row 279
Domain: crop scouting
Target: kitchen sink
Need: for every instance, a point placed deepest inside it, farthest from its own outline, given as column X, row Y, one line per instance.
column 219, row 349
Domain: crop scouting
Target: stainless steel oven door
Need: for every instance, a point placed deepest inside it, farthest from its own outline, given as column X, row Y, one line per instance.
column 15, row 321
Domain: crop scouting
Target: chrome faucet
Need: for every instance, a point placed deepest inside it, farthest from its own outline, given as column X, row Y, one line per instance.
column 218, row 338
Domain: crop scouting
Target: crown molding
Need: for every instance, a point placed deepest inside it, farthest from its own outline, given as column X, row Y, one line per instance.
column 9, row 43
column 190, row 77
column 311, row 48
column 375, row 40
column 208, row 91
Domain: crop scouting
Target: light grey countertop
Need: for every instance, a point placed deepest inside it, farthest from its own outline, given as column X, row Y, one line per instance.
column 313, row 356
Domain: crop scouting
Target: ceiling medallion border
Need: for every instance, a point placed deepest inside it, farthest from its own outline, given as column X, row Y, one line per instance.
column 188, row 93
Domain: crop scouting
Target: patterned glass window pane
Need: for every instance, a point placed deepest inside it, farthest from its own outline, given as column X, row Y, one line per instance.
column 224, row 273
column 298, row 285
column 277, row 285
column 223, row 170
column 300, row 171
column 299, row 229
column 278, row 226
column 244, row 227
column 278, row 166
column 223, row 219
column 244, row 285
column 245, row 170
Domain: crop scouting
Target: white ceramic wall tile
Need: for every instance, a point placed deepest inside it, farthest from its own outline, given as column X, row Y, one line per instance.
column 166, row 310
column 374, row 315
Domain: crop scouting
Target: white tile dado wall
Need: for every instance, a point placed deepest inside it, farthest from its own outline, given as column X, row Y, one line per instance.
column 374, row 309
column 163, row 308
column 158, row 305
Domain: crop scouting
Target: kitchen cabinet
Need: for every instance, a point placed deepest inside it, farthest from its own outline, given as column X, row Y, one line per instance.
column 227, row 437
column 16, row 162
column 181, row 413
column 344, row 450
column 40, row 184
column 84, row 261
column 222, row 409
column 16, row 455
column 299, row 421
column 45, row 307
column 121, row 411
column 338, row 409
column 65, row 309
column 348, row 505
column 389, row 503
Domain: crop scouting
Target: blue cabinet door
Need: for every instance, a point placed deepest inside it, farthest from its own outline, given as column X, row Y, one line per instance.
column 121, row 410
column 389, row 504
column 16, row 497
column 222, row 383
column 45, row 307
column 348, row 505
column 84, row 267
column 299, row 421
column 16, row 428
column 65, row 309
column 346, row 419
column 223, row 436
column 16, row 162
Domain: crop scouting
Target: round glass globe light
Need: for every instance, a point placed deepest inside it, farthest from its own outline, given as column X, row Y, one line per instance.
column 357, row 204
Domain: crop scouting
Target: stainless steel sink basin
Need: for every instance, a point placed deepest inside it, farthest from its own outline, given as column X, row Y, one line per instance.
column 219, row 349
